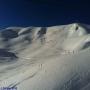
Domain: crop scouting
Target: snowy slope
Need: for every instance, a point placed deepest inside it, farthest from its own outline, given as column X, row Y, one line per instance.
column 45, row 58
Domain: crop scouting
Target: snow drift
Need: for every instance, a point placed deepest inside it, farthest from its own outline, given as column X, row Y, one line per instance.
column 45, row 58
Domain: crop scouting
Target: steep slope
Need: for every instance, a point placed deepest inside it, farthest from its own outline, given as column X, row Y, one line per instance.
column 45, row 58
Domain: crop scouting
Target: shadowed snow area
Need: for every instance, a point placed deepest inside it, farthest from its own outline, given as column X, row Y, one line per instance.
column 45, row 58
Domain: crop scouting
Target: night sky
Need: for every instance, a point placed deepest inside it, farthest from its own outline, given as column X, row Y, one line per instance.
column 43, row 12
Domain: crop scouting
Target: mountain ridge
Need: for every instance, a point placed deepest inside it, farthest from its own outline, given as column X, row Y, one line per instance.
column 45, row 58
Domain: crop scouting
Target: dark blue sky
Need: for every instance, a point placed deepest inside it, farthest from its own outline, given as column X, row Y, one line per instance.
column 43, row 12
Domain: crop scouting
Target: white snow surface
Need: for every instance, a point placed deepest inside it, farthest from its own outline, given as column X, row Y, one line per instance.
column 45, row 58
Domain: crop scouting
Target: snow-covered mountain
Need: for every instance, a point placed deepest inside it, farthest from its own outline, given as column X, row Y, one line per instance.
column 45, row 58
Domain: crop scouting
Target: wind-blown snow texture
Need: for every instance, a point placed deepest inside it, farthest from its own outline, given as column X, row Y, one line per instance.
column 45, row 58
